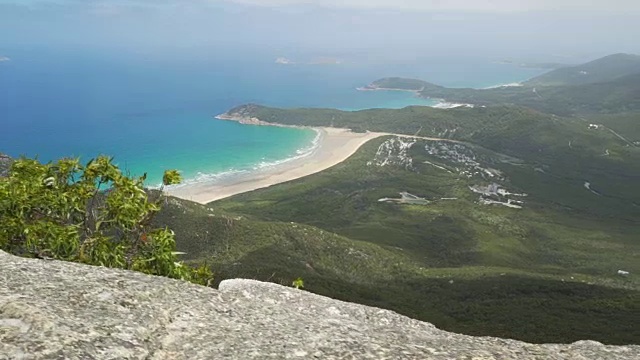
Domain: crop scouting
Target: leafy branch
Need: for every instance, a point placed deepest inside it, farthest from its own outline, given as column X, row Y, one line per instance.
column 90, row 213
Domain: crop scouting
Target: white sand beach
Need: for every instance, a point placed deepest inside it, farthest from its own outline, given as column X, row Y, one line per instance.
column 335, row 146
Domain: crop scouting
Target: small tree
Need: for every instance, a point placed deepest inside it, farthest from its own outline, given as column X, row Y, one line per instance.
column 298, row 283
column 91, row 214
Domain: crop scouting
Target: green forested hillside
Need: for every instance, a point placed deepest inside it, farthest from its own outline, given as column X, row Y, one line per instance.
column 620, row 95
column 509, row 219
column 565, row 147
column 468, row 250
column 458, row 123
column 613, row 96
column 607, row 97
column 532, row 273
column 398, row 83
column 624, row 125
column 604, row 86
column 601, row 70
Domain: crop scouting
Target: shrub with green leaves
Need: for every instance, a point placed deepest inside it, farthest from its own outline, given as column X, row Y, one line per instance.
column 298, row 283
column 90, row 213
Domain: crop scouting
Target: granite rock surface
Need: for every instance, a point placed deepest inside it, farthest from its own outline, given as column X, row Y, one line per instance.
column 57, row 310
column 5, row 164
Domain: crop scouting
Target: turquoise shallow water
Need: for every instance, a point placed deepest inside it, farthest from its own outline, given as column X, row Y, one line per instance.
column 156, row 115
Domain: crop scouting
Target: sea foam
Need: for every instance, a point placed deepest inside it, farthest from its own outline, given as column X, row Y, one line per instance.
column 263, row 165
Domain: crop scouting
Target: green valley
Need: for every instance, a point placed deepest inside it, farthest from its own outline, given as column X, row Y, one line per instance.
column 462, row 263
column 522, row 221
column 518, row 217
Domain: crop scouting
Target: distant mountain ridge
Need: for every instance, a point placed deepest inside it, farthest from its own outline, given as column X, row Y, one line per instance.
column 604, row 69
column 604, row 86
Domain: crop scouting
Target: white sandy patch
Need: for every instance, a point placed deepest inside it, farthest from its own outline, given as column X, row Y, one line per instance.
column 449, row 105
column 587, row 185
column 515, row 84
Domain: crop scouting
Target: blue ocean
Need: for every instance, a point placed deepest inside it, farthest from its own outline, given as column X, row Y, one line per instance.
column 153, row 113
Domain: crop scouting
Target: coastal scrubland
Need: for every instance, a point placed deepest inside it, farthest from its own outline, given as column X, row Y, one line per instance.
column 522, row 220
column 532, row 274
column 604, row 86
column 516, row 218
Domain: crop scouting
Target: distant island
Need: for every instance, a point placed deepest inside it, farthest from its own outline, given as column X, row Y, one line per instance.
column 284, row 61
column 317, row 61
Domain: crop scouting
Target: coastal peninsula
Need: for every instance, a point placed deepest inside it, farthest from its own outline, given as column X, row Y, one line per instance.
column 337, row 141
column 396, row 84
column 418, row 87
column 333, row 146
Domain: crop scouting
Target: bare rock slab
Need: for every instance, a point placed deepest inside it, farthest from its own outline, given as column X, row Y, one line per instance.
column 58, row 310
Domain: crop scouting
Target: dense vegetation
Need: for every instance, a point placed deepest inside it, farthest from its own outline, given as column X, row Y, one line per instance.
column 401, row 84
column 459, row 123
column 541, row 269
column 607, row 85
column 544, row 273
column 611, row 96
column 563, row 147
column 91, row 214
column 623, row 123
column 601, row 70
column 531, row 274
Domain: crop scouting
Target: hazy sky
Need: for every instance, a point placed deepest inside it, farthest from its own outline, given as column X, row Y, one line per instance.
column 464, row 5
column 544, row 29
column 501, row 6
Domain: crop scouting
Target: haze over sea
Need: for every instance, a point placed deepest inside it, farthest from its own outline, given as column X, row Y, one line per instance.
column 155, row 113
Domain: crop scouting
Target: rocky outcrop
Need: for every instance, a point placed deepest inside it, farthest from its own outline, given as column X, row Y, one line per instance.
column 246, row 120
column 394, row 151
column 57, row 310
column 5, row 164
column 244, row 114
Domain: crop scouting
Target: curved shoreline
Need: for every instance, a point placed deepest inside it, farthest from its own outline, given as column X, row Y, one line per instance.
column 334, row 146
